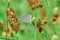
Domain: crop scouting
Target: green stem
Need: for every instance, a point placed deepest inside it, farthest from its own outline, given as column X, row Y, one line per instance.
column 7, row 38
column 47, row 3
column 7, row 23
column 54, row 28
column 47, row 33
column 35, row 23
column 8, row 5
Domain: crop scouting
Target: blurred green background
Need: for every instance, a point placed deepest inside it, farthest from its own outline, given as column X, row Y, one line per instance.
column 22, row 7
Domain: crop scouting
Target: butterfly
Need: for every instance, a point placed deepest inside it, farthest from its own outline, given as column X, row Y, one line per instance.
column 26, row 18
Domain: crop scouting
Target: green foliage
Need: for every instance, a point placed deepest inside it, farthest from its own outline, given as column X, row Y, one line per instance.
column 21, row 7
